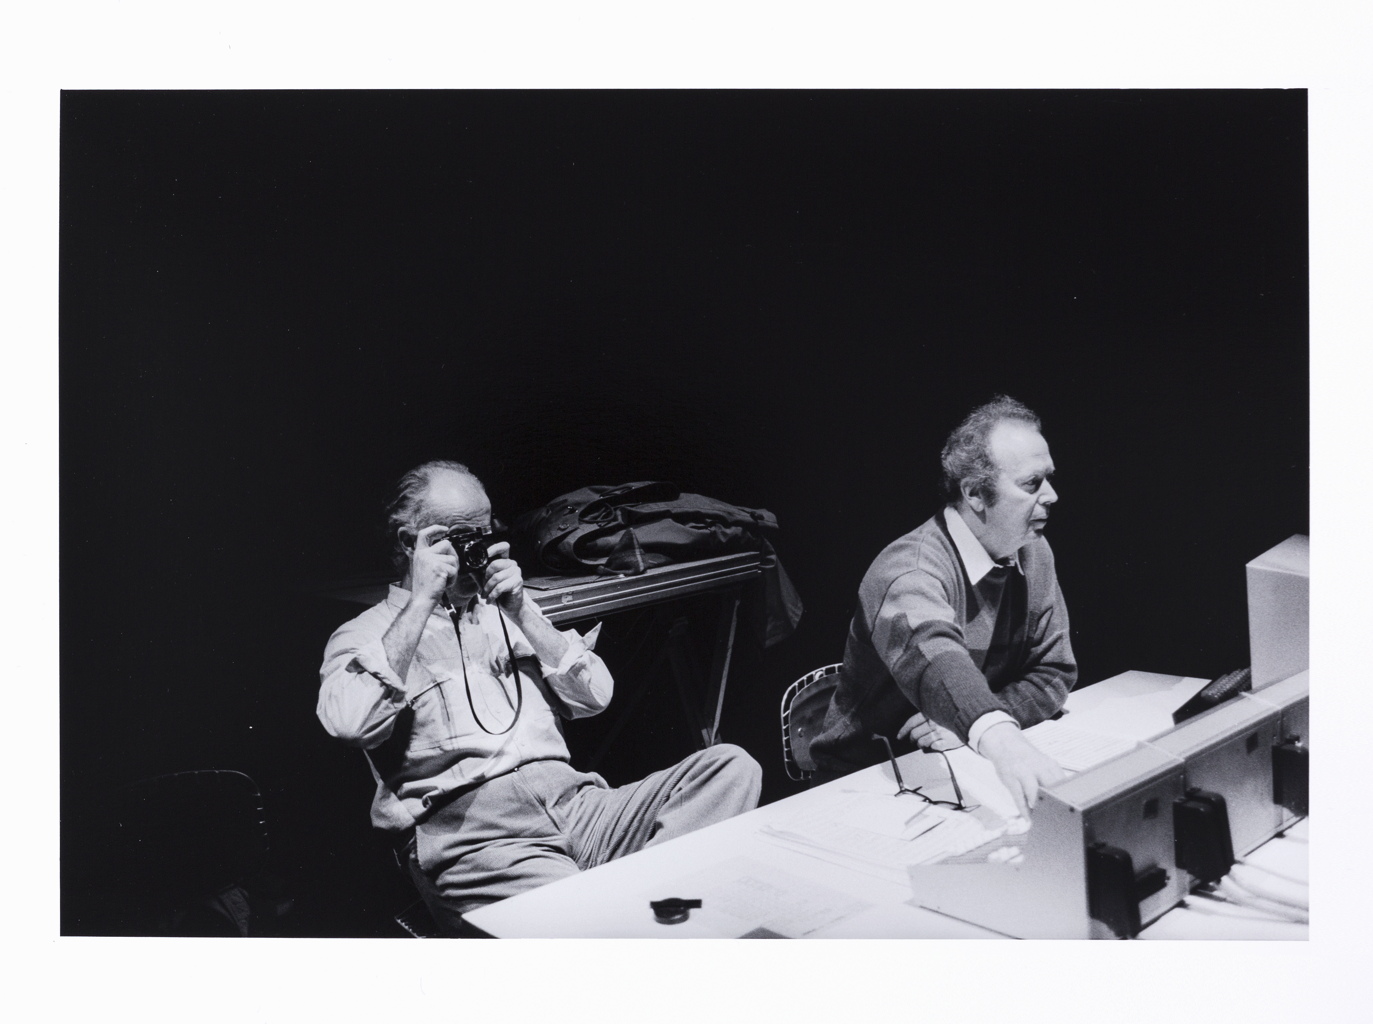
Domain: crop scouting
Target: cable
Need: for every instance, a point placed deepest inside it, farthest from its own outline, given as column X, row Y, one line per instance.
column 1269, row 871
column 1248, row 913
column 1266, row 896
column 1278, row 910
column 1282, row 914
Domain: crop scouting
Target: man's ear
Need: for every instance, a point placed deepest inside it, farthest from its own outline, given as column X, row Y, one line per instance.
column 407, row 539
column 971, row 497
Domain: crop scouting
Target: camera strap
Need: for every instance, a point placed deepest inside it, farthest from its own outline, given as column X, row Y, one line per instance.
column 456, row 617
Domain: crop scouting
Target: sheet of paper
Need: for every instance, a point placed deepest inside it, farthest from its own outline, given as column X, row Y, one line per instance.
column 742, row 896
column 1076, row 748
column 900, row 817
column 883, row 835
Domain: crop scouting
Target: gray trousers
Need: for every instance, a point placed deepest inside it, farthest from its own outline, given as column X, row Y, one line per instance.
column 545, row 821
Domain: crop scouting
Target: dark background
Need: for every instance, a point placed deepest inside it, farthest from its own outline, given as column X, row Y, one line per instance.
column 272, row 304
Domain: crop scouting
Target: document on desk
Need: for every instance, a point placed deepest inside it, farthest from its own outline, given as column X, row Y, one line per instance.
column 1077, row 749
column 742, row 897
column 880, row 834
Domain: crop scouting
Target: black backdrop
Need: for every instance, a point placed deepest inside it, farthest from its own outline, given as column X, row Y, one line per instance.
column 273, row 303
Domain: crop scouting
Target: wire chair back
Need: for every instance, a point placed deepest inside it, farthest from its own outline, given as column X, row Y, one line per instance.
column 804, row 705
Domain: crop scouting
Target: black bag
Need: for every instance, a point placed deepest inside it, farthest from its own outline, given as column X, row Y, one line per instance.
column 628, row 529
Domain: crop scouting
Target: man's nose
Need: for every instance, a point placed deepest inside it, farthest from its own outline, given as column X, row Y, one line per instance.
column 1047, row 494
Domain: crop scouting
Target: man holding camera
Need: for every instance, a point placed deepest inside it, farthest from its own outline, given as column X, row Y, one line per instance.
column 455, row 687
column 962, row 621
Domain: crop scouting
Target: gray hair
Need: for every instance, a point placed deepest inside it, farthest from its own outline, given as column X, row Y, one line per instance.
column 407, row 503
column 966, row 458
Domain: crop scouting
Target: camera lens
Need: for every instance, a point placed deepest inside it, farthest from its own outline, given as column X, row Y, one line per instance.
column 472, row 556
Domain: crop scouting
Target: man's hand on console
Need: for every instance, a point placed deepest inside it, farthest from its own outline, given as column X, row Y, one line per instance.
column 1023, row 768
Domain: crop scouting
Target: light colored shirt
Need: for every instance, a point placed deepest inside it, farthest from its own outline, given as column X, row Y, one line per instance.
column 421, row 738
column 977, row 563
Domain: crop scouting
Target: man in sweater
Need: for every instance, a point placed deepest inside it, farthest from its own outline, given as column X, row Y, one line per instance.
column 961, row 634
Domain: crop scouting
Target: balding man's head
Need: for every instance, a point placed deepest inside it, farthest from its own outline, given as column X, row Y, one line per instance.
column 440, row 491
column 967, row 455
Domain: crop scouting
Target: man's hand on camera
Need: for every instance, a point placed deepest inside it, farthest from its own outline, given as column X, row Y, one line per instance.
column 1022, row 767
column 433, row 564
column 504, row 583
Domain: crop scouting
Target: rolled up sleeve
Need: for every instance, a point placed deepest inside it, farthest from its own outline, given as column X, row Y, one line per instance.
column 580, row 680
column 359, row 694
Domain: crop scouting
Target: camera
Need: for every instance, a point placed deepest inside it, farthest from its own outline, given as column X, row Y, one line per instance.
column 471, row 545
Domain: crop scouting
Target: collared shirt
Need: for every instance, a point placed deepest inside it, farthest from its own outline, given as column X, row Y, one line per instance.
column 420, row 734
column 977, row 563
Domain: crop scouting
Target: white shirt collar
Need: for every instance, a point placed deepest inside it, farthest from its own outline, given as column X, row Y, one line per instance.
column 397, row 596
column 976, row 561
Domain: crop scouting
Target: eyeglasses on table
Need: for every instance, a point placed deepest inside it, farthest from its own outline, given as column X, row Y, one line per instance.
column 901, row 788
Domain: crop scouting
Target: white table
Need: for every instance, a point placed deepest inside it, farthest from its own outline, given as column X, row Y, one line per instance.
column 752, row 885
column 730, row 859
